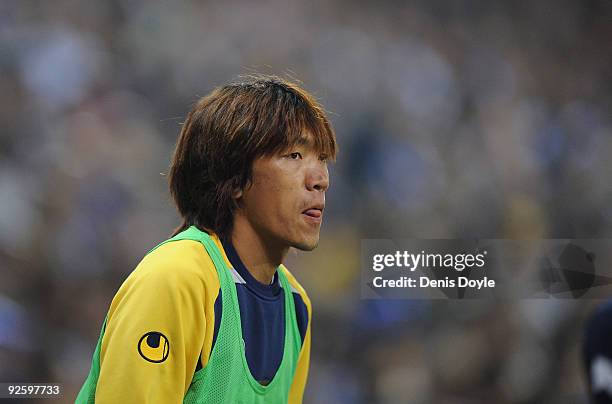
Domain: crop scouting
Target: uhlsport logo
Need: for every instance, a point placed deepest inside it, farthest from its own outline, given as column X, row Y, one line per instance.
column 154, row 347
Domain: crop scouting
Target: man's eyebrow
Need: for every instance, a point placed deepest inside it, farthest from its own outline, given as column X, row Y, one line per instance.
column 303, row 141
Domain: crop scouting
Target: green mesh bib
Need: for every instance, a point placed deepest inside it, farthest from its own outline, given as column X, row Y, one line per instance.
column 226, row 377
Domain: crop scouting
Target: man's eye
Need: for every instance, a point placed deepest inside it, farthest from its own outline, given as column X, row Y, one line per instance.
column 295, row 156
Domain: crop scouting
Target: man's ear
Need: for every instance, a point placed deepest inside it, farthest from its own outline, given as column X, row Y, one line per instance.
column 237, row 194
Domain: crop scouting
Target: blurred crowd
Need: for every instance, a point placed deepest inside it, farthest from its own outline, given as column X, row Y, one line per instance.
column 454, row 119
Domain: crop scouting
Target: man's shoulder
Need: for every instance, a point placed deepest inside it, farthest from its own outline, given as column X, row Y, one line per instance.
column 177, row 275
column 175, row 263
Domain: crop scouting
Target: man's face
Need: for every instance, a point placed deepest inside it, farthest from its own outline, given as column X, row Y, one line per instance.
column 285, row 201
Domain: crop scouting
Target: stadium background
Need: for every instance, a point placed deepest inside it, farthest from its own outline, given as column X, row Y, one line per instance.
column 454, row 118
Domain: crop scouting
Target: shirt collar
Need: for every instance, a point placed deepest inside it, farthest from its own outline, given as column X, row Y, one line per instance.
column 266, row 291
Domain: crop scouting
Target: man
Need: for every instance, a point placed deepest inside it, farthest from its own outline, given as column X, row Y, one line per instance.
column 211, row 315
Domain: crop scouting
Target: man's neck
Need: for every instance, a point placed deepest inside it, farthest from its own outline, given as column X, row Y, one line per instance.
column 260, row 255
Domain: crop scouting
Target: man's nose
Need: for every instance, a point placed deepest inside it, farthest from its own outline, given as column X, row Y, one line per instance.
column 318, row 178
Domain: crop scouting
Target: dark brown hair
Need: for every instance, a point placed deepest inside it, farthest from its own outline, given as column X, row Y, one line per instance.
column 226, row 131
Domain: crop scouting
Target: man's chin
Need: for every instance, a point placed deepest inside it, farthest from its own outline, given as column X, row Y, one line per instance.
column 306, row 245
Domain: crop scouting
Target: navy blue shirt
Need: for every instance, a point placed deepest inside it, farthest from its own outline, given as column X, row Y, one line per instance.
column 262, row 314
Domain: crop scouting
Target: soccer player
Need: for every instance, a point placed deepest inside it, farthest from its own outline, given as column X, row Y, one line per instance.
column 212, row 315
